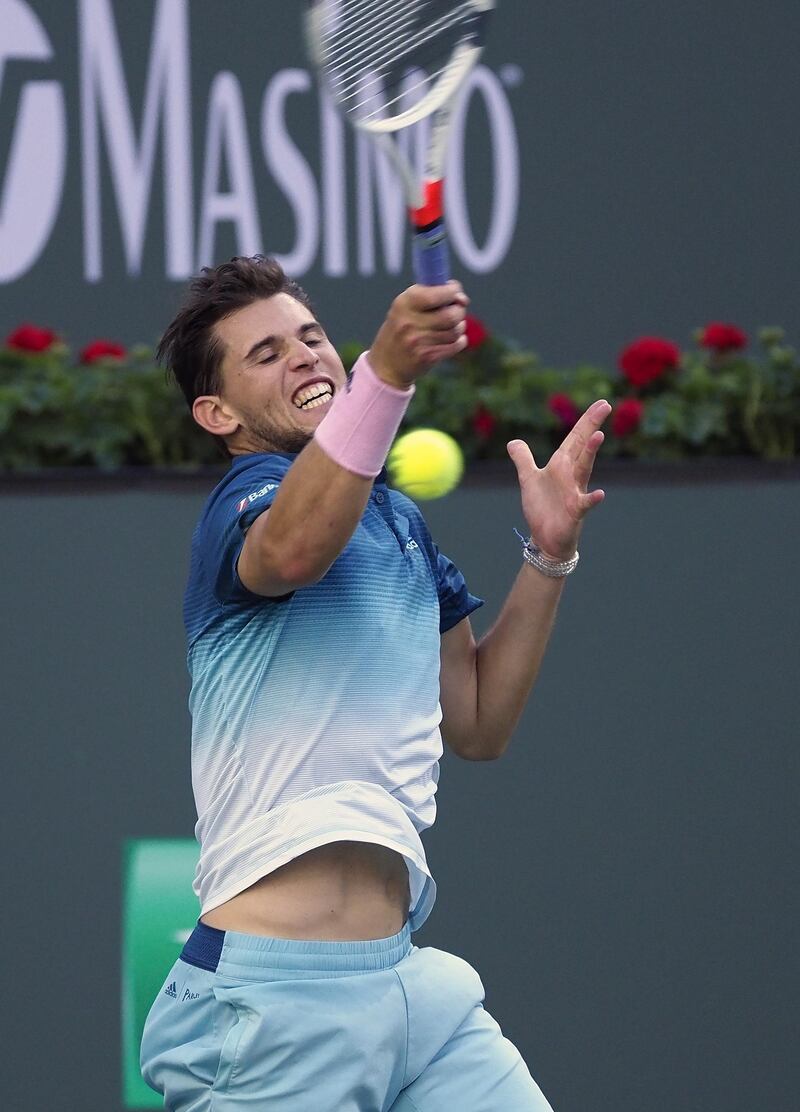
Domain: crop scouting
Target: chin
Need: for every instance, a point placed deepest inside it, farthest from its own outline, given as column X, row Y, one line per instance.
column 291, row 440
column 316, row 417
column 294, row 441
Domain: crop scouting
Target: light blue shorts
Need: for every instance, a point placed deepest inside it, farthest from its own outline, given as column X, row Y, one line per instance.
column 273, row 1025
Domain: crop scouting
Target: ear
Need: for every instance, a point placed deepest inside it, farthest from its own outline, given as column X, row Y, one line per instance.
column 211, row 414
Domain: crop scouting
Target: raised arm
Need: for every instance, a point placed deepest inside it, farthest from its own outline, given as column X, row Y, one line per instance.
column 325, row 491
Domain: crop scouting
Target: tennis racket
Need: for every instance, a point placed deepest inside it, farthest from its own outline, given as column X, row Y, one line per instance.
column 390, row 64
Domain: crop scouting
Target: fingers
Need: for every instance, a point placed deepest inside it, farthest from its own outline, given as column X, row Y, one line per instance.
column 425, row 325
column 438, row 313
column 437, row 350
column 585, row 461
column 434, row 307
column 441, row 328
column 594, row 498
column 429, row 298
column 522, row 458
column 575, row 442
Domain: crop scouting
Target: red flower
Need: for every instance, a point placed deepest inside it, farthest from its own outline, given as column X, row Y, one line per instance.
column 30, row 338
column 477, row 333
column 647, row 359
column 484, row 423
column 627, row 416
column 563, row 407
column 723, row 337
column 102, row 349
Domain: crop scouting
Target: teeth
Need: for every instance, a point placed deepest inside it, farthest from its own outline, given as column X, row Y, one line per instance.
column 313, row 396
column 315, row 403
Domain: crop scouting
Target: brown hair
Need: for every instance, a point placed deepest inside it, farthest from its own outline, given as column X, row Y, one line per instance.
column 189, row 349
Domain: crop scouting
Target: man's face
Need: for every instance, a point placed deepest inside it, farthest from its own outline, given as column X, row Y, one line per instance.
column 279, row 374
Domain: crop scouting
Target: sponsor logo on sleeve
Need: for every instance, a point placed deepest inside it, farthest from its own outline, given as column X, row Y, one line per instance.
column 245, row 502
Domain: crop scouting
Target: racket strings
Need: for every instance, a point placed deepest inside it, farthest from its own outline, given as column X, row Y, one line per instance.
column 381, row 35
column 403, row 98
column 426, row 37
column 360, row 35
column 372, row 45
column 359, row 86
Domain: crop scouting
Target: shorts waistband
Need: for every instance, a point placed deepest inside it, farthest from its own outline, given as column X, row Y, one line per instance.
column 246, row 955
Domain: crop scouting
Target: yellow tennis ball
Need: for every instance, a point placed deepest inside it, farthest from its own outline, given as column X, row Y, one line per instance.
column 425, row 463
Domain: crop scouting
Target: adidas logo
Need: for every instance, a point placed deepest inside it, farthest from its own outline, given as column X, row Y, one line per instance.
column 172, row 990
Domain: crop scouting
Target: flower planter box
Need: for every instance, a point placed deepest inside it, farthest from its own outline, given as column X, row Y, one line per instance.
column 482, row 473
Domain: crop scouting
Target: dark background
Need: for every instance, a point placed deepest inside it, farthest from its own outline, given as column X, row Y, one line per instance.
column 623, row 879
column 659, row 161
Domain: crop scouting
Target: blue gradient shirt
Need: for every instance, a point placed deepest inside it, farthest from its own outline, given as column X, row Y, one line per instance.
column 315, row 717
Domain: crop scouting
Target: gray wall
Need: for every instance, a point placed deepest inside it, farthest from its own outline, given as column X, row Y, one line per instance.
column 623, row 879
column 658, row 149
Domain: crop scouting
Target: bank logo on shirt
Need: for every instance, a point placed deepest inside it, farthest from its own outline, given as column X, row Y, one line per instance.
column 245, row 502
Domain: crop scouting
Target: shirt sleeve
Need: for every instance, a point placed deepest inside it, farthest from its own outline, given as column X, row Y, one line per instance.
column 224, row 532
column 455, row 600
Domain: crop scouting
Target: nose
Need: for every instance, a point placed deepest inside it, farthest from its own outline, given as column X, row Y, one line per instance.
column 302, row 356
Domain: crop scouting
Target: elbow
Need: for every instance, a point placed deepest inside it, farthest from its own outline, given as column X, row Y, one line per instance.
column 478, row 748
column 297, row 567
column 304, row 567
column 296, row 574
column 490, row 752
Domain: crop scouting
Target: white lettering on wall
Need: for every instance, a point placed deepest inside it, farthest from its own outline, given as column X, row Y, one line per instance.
column 381, row 191
column 226, row 140
column 505, row 189
column 378, row 187
column 341, row 190
column 105, row 103
column 290, row 169
column 334, row 201
column 33, row 179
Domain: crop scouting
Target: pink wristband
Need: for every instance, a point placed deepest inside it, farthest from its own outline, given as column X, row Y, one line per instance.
column 358, row 430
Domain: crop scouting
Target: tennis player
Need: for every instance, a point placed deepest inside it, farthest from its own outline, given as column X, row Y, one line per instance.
column 330, row 651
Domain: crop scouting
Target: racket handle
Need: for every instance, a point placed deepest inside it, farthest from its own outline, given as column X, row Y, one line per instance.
column 430, row 256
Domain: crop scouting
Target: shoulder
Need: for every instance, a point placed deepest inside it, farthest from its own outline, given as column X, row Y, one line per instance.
column 237, row 500
column 250, row 479
column 402, row 504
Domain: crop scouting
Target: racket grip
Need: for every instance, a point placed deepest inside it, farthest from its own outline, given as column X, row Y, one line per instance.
column 430, row 255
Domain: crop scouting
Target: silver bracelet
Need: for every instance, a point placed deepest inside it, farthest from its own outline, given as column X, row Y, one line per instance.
column 555, row 569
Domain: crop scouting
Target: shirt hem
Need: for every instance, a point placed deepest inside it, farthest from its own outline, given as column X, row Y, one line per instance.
column 315, row 842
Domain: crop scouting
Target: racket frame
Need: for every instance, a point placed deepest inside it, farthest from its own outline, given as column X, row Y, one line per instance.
column 424, row 195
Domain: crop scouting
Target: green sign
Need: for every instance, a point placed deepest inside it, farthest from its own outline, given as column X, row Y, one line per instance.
column 160, row 910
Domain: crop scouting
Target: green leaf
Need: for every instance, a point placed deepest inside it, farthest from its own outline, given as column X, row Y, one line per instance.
column 126, row 413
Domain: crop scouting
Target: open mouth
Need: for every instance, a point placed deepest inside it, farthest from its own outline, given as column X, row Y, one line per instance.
column 313, row 396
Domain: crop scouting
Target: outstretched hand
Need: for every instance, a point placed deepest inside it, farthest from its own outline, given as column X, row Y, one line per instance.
column 555, row 499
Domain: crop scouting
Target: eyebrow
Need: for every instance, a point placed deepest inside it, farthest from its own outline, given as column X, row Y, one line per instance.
column 270, row 341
